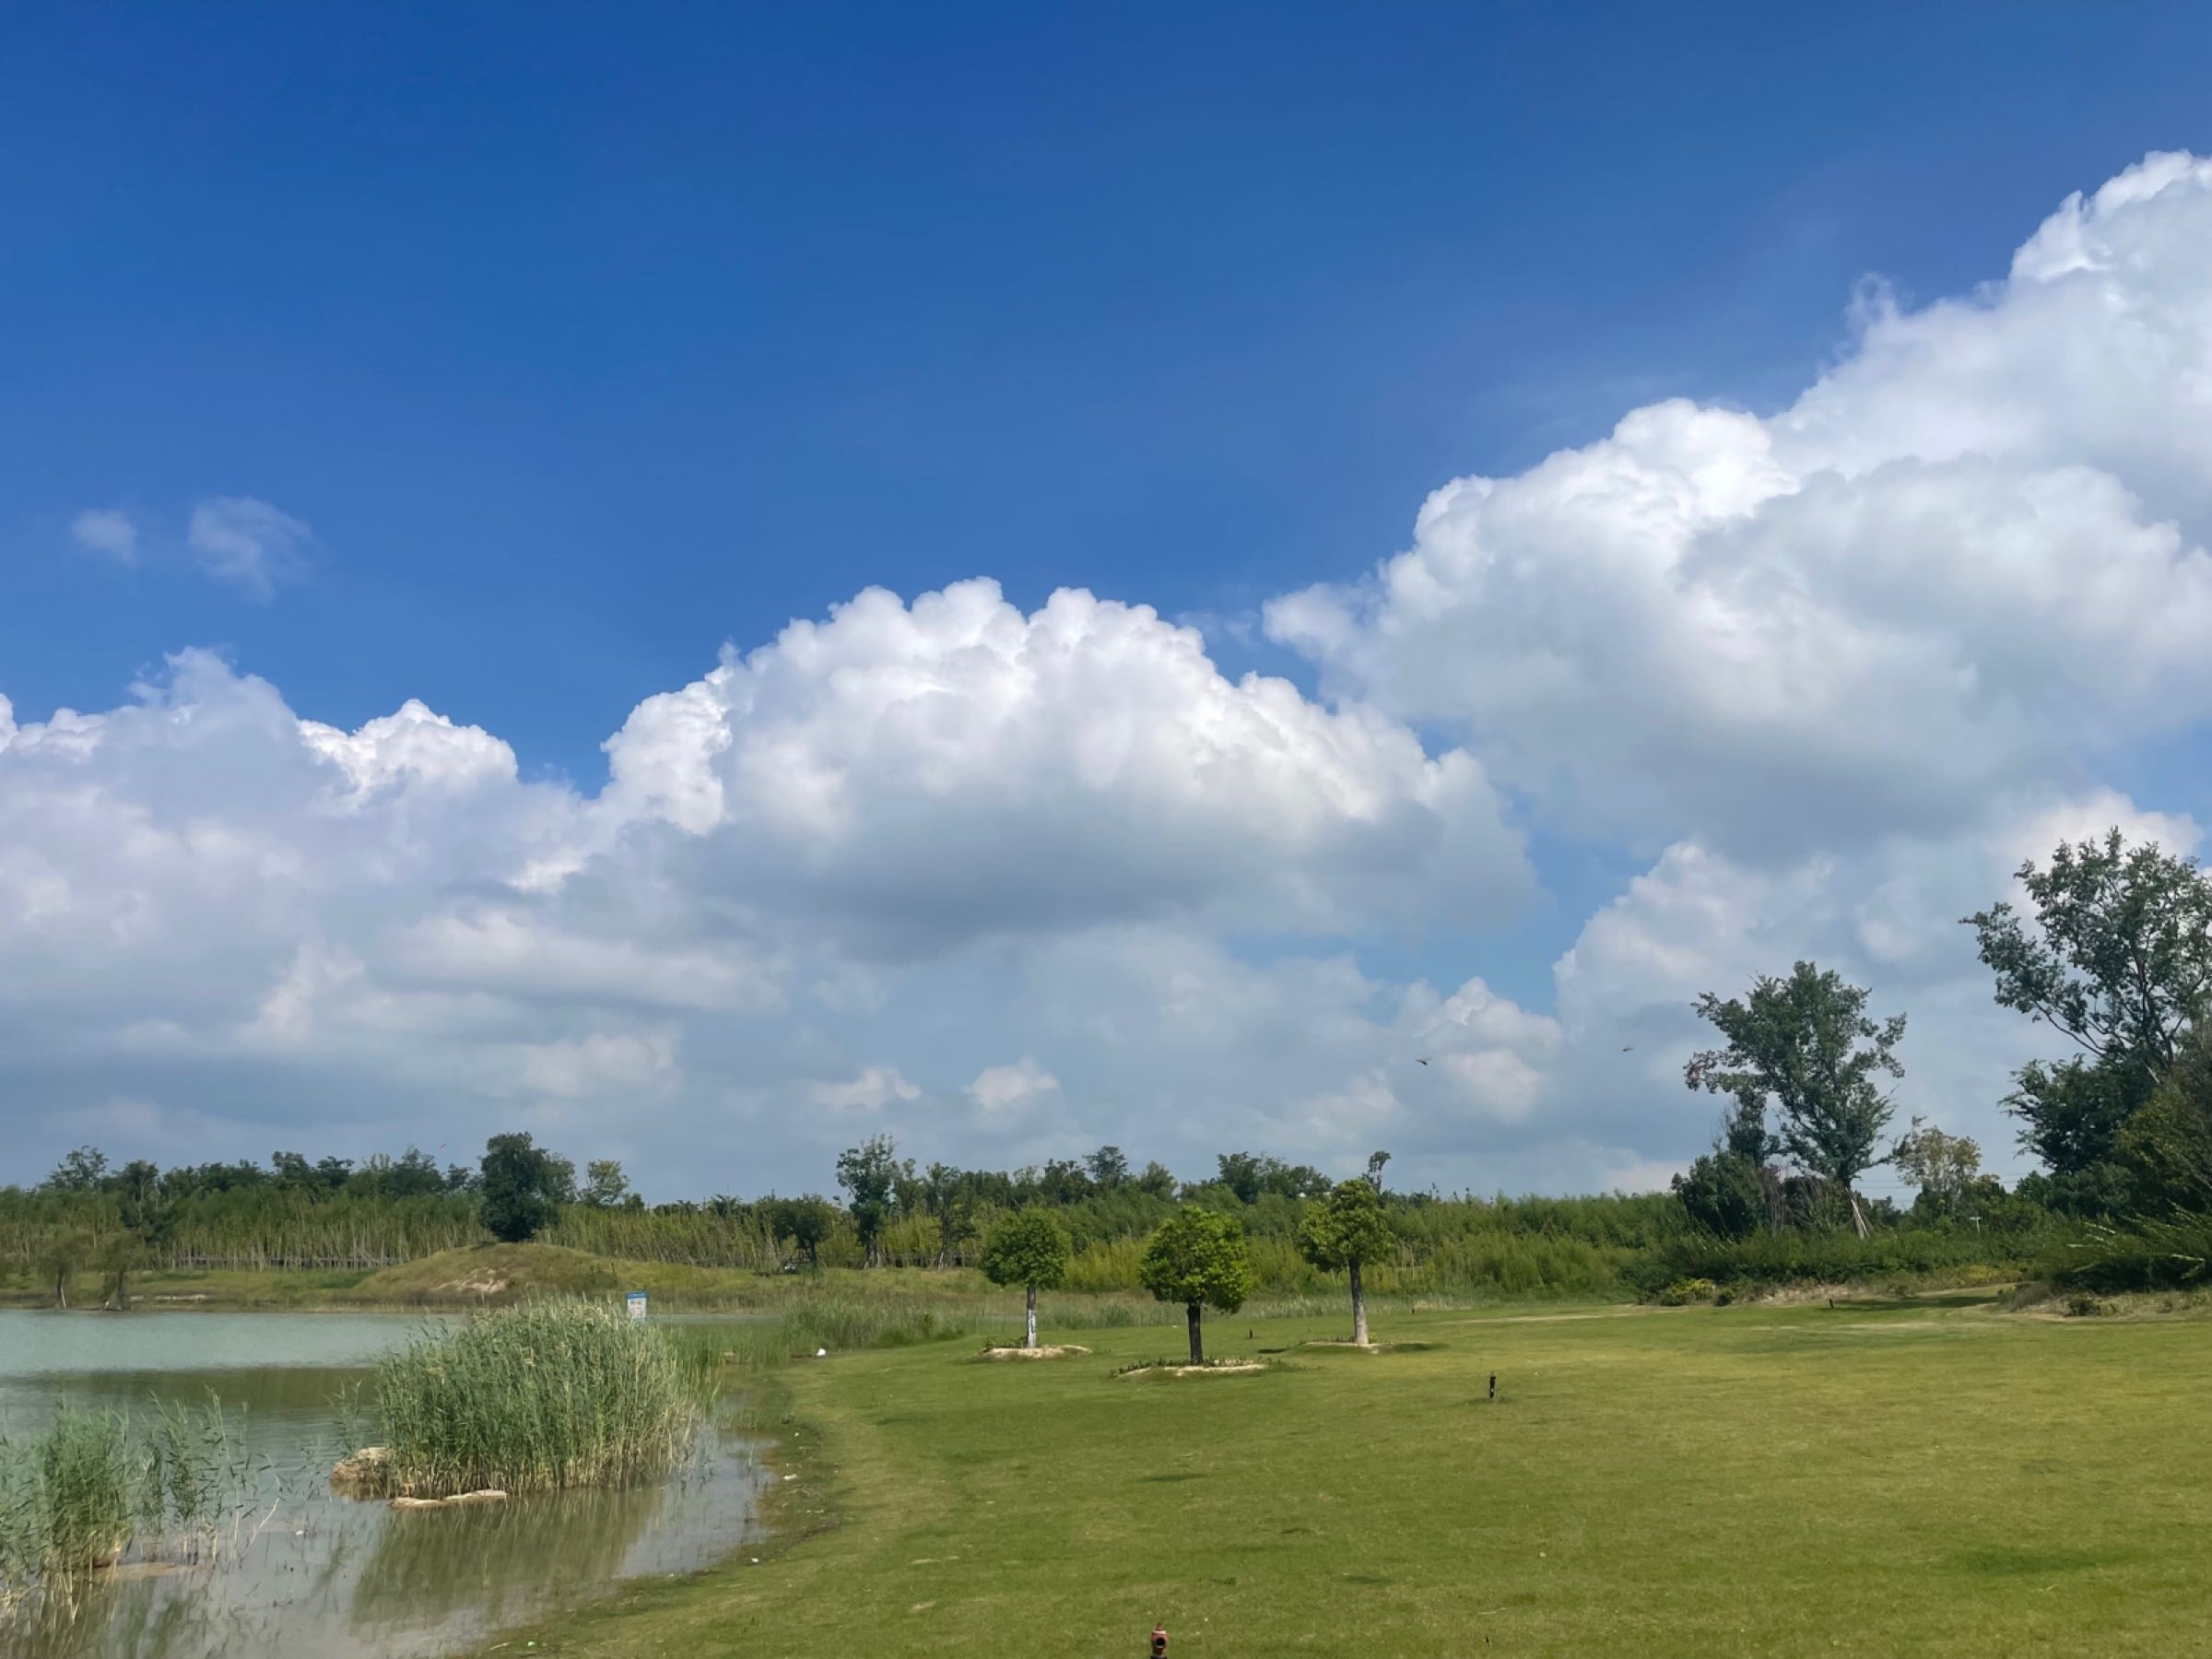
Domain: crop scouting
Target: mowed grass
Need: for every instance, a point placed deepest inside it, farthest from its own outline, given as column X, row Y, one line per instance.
column 1924, row 1480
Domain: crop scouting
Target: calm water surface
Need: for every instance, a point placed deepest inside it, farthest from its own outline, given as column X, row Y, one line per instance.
column 313, row 1574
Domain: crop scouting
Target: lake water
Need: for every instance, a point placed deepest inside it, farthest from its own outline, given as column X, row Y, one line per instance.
column 313, row 1574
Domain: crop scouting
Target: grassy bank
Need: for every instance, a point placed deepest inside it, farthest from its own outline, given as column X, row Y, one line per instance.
column 1882, row 1477
column 843, row 1304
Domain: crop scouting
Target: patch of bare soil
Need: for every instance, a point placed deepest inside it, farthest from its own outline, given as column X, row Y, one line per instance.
column 488, row 1282
column 1063, row 1350
column 1235, row 1368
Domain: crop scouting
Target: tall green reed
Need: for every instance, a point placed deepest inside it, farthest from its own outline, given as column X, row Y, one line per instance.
column 91, row 1487
column 535, row 1398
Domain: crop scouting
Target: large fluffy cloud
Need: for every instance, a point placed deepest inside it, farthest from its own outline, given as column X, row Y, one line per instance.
column 907, row 777
column 1968, row 560
column 214, row 908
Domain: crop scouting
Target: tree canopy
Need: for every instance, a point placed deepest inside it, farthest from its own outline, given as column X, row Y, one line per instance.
column 1347, row 1229
column 1028, row 1248
column 1197, row 1258
column 522, row 1187
column 870, row 1173
column 1806, row 1043
column 2119, row 960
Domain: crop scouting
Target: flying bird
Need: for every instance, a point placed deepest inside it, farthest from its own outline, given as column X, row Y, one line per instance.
column 1626, row 1047
column 1420, row 1061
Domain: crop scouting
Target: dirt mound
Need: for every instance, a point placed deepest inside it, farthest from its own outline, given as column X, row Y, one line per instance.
column 1231, row 1368
column 1066, row 1350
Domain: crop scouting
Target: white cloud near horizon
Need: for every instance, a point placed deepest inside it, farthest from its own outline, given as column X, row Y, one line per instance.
column 1009, row 885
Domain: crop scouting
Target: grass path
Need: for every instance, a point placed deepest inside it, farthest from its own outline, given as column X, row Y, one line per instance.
column 1925, row 1481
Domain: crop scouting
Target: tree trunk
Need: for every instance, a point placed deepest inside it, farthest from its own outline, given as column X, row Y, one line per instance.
column 61, row 1288
column 1359, row 1308
column 1033, row 1341
column 1858, row 1216
column 1198, row 1347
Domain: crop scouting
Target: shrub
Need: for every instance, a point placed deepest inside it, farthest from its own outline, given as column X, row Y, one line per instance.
column 2170, row 1253
column 1684, row 1291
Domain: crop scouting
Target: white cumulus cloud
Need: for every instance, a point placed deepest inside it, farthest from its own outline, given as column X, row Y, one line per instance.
column 1969, row 559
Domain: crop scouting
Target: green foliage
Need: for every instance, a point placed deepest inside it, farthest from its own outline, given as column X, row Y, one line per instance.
column 1942, row 1166
column 605, row 1185
column 2119, row 960
column 2152, row 1253
column 82, row 1170
column 869, row 1173
column 1725, row 1194
column 1806, row 1042
column 1684, row 1291
column 1197, row 1258
column 2166, row 1147
column 1027, row 1249
column 1347, row 1229
column 1833, row 1256
column 91, row 1485
column 534, row 1398
column 1248, row 1175
column 523, row 1187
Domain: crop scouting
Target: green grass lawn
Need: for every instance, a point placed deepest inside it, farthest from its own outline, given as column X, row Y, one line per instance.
column 1928, row 1479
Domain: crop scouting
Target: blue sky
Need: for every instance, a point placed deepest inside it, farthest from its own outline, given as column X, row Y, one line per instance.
column 573, row 347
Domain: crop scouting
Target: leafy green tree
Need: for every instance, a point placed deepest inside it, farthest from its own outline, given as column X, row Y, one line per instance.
column 2166, row 1147
column 1942, row 1166
column 521, row 1187
column 1375, row 1162
column 1106, row 1167
column 1028, row 1248
column 1807, row 1044
column 2119, row 959
column 118, row 1256
column 1197, row 1258
column 1725, row 1194
column 63, row 1252
column 605, row 1185
column 83, row 1170
column 1157, row 1180
column 1344, row 1232
column 806, row 1222
column 869, row 1174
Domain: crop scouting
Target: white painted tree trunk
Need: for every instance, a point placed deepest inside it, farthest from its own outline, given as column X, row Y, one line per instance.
column 1359, row 1308
column 1033, row 1341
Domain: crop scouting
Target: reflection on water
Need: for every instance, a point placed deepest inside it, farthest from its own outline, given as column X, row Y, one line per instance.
column 310, row 1573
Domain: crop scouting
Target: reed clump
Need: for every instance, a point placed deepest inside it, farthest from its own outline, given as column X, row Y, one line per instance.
column 535, row 1398
column 91, row 1487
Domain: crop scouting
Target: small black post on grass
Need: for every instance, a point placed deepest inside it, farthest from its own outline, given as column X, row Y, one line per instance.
column 1493, row 1386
